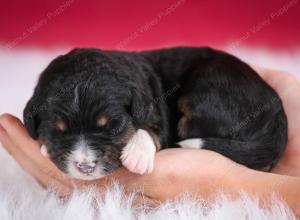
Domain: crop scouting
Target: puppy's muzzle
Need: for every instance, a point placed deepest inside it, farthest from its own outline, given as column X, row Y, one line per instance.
column 85, row 167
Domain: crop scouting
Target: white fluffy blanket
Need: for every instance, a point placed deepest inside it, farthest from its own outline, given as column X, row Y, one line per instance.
column 22, row 198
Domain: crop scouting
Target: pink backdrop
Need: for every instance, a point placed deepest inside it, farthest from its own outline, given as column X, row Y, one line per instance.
column 137, row 24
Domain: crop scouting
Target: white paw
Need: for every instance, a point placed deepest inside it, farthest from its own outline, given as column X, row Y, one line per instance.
column 44, row 151
column 138, row 155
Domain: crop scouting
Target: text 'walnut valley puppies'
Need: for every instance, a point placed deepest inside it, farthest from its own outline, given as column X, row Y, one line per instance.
column 96, row 110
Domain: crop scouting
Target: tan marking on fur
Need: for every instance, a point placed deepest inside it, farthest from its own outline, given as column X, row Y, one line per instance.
column 185, row 110
column 61, row 125
column 183, row 106
column 102, row 120
column 182, row 128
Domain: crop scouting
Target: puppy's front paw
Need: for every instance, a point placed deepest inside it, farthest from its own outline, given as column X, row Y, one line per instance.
column 138, row 155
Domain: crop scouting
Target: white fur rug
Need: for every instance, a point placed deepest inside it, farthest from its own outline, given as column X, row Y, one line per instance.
column 22, row 198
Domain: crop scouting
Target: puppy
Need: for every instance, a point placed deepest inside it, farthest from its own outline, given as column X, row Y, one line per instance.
column 95, row 110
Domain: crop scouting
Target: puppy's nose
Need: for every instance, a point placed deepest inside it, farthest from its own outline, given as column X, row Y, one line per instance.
column 85, row 167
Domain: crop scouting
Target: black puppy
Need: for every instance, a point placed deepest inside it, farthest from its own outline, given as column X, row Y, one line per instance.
column 94, row 110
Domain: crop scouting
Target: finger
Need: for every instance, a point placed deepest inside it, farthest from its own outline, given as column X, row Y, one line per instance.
column 260, row 70
column 18, row 134
column 27, row 152
column 281, row 81
column 18, row 155
column 3, row 139
column 9, row 146
column 22, row 141
column 29, row 165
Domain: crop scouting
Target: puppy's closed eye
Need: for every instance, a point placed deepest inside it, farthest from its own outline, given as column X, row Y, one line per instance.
column 61, row 125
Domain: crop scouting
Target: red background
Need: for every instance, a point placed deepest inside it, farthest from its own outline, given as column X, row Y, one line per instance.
column 107, row 23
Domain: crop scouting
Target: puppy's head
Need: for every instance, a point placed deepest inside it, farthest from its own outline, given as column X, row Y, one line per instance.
column 84, row 120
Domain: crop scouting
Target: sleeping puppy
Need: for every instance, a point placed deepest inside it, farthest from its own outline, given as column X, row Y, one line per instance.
column 95, row 110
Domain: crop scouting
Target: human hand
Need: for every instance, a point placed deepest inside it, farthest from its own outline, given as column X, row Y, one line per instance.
column 288, row 89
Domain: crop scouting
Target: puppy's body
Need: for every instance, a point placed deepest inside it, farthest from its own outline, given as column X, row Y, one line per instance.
column 96, row 109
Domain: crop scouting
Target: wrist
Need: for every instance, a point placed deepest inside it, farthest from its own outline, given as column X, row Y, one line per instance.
column 265, row 186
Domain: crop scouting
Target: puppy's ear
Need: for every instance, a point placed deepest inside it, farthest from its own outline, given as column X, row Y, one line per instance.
column 30, row 116
column 141, row 107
